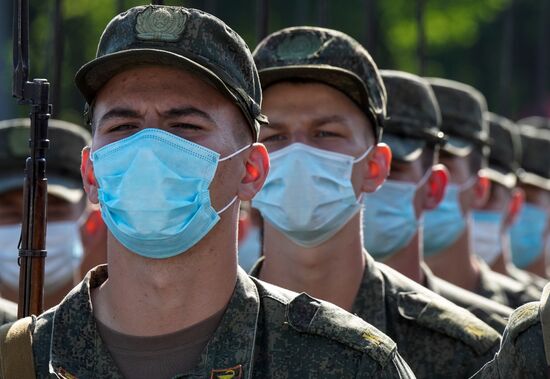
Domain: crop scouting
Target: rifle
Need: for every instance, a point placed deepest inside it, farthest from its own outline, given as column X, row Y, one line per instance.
column 32, row 245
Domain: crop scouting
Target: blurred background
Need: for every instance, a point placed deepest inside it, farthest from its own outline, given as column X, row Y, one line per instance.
column 500, row 47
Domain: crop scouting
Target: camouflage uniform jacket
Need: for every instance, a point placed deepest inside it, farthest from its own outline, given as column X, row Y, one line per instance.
column 8, row 311
column 503, row 289
column 492, row 313
column 266, row 332
column 521, row 353
column 437, row 338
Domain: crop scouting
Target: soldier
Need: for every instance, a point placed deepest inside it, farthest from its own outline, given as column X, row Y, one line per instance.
column 491, row 230
column 392, row 217
column 447, row 229
column 326, row 103
column 174, row 102
column 525, row 348
column 529, row 236
column 66, row 206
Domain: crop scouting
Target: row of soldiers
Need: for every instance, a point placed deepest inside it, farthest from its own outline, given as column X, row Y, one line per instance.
column 395, row 210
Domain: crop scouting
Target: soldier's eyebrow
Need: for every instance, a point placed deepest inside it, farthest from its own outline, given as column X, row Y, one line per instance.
column 118, row 113
column 329, row 119
column 188, row 111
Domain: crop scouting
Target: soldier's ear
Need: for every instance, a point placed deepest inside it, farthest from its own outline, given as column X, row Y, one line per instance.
column 377, row 168
column 255, row 173
column 514, row 206
column 482, row 191
column 88, row 178
column 436, row 186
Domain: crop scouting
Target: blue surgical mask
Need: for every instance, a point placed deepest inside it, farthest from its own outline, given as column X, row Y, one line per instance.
column 527, row 235
column 308, row 194
column 486, row 234
column 444, row 224
column 154, row 192
column 389, row 217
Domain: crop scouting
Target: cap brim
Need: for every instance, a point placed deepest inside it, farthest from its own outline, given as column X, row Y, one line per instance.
column 457, row 146
column 507, row 179
column 534, row 180
column 67, row 189
column 404, row 148
column 94, row 75
column 344, row 80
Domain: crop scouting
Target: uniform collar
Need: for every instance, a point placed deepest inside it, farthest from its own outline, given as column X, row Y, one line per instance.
column 371, row 297
column 430, row 281
column 77, row 348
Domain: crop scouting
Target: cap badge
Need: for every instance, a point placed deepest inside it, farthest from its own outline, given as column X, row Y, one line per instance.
column 160, row 24
column 299, row 47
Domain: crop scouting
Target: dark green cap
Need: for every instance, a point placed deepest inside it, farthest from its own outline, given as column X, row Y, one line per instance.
column 327, row 56
column 462, row 108
column 179, row 37
column 63, row 157
column 537, row 121
column 535, row 143
column 413, row 115
column 505, row 150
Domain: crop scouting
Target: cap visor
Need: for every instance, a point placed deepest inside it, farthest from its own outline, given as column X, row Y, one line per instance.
column 457, row 146
column 404, row 148
column 67, row 189
column 507, row 179
column 95, row 74
column 343, row 80
column 534, row 180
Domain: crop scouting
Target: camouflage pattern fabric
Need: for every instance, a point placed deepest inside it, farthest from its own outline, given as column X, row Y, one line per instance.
column 437, row 338
column 521, row 353
column 8, row 311
column 266, row 332
column 494, row 314
column 502, row 289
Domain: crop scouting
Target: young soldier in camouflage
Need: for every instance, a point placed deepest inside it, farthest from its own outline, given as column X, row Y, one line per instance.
column 491, row 231
column 326, row 102
column 392, row 218
column 530, row 235
column 171, row 90
column 447, row 229
column 525, row 348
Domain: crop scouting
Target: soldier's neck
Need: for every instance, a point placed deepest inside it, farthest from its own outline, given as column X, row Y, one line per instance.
column 407, row 261
column 148, row 297
column 332, row 271
column 457, row 264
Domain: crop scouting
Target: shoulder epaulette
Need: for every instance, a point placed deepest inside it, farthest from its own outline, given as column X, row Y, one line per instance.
column 309, row 315
column 436, row 313
column 522, row 318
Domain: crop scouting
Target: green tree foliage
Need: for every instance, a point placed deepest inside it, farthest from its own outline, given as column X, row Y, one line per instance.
column 464, row 39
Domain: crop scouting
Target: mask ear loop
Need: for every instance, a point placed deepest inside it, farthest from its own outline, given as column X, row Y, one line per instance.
column 223, row 159
column 235, row 153
column 468, row 183
column 363, row 155
column 424, row 179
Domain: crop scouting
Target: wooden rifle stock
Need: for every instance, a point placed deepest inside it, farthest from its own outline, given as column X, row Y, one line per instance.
column 32, row 246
